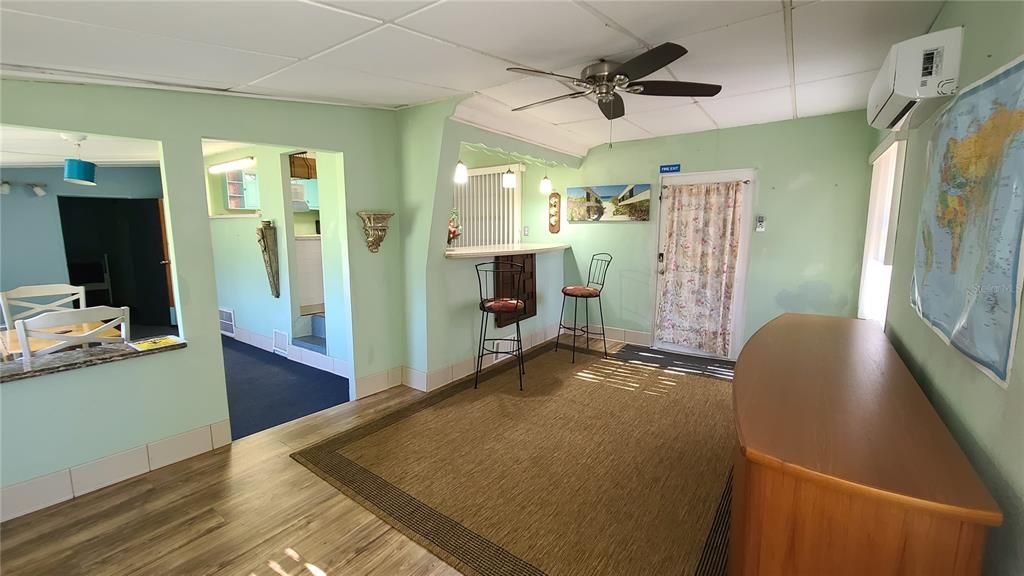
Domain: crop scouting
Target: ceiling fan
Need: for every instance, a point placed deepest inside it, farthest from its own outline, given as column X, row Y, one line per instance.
column 605, row 79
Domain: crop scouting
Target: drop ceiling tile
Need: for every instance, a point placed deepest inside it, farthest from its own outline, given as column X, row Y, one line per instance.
column 742, row 58
column 46, row 42
column 544, row 35
column 597, row 130
column 530, row 89
column 315, row 80
column 292, row 29
column 838, row 38
column 756, row 108
column 677, row 120
column 383, row 9
column 834, row 94
column 397, row 53
column 658, row 22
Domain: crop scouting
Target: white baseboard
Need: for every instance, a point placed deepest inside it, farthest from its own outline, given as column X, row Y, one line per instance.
column 35, row 494
column 177, row 448
column 110, row 470
column 367, row 385
column 43, row 491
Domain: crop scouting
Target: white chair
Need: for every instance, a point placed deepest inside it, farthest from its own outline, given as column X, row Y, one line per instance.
column 65, row 295
column 37, row 327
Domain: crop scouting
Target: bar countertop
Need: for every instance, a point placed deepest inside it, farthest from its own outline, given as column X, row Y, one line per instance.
column 492, row 250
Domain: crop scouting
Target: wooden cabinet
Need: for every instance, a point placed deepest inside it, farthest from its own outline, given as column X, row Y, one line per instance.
column 528, row 291
column 843, row 466
column 241, row 190
column 302, row 167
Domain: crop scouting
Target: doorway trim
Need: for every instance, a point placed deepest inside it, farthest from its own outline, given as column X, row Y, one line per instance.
column 746, row 230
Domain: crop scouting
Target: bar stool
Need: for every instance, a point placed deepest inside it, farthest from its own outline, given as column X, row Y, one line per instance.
column 501, row 292
column 599, row 264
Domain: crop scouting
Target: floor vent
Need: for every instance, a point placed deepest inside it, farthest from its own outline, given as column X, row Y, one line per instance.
column 281, row 341
column 227, row 321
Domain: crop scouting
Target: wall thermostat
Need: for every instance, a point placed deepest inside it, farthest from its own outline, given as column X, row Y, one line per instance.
column 759, row 225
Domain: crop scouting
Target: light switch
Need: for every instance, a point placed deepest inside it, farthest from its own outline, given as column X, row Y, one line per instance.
column 760, row 224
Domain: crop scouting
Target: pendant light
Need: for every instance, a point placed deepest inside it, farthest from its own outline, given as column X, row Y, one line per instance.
column 508, row 179
column 545, row 183
column 461, row 173
column 76, row 170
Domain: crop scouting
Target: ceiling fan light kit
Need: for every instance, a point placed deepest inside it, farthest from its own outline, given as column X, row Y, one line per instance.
column 604, row 80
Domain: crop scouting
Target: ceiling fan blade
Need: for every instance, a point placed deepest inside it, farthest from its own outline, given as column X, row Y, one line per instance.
column 555, row 99
column 542, row 74
column 671, row 88
column 650, row 61
column 612, row 107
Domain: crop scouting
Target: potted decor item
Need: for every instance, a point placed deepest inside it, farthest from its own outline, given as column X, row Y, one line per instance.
column 454, row 226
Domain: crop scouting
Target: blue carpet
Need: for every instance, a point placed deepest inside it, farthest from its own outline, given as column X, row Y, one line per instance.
column 265, row 389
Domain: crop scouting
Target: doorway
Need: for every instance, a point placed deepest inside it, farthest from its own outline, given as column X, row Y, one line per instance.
column 880, row 235
column 704, row 227
column 115, row 248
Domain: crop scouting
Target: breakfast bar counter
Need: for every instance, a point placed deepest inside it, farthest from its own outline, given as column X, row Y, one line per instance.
column 491, row 250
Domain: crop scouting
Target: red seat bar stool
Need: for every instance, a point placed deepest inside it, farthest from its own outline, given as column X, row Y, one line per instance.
column 599, row 264
column 501, row 292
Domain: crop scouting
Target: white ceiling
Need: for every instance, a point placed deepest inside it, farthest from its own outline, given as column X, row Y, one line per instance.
column 397, row 53
column 34, row 147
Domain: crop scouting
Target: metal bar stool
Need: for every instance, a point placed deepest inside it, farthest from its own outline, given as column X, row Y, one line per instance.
column 599, row 264
column 501, row 292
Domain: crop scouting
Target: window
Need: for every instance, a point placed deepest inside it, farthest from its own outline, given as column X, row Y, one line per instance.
column 880, row 237
column 490, row 213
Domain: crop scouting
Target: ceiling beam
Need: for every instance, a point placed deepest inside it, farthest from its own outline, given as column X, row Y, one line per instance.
column 787, row 19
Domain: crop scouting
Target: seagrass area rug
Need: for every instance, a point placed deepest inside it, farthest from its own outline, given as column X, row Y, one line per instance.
column 602, row 467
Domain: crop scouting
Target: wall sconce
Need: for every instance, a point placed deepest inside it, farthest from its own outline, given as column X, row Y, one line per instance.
column 5, row 187
column 554, row 213
column 38, row 189
column 375, row 226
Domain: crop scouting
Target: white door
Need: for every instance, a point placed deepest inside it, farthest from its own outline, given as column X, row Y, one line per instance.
column 704, row 229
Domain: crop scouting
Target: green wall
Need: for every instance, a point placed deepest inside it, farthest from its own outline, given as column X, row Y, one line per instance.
column 813, row 184
column 452, row 292
column 987, row 420
column 62, row 420
column 241, row 277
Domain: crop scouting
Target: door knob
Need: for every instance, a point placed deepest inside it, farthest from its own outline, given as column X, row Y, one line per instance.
column 165, row 261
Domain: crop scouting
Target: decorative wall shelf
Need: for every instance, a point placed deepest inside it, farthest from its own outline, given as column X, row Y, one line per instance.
column 375, row 226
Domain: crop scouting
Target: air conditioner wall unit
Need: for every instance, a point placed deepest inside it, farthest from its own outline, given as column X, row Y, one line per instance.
column 917, row 77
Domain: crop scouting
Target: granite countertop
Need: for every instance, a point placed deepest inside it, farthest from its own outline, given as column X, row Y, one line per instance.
column 72, row 359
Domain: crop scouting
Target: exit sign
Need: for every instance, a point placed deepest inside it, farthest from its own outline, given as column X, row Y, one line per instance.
column 669, row 168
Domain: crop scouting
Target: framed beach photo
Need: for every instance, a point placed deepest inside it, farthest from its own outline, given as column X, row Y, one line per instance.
column 609, row 203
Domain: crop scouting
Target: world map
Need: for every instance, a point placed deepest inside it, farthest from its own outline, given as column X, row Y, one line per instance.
column 967, row 280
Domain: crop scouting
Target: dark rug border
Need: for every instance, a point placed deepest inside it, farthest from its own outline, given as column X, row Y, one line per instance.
column 460, row 547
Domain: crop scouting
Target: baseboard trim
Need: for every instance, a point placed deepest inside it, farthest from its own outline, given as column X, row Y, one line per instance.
column 56, row 487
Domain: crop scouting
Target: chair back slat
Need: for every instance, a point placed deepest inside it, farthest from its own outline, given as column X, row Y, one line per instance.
column 65, row 296
column 37, row 327
column 500, row 279
column 599, row 264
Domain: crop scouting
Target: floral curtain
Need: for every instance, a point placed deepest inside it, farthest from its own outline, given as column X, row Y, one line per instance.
column 701, row 231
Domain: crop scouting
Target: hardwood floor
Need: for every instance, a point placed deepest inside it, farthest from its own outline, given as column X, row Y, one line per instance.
column 247, row 509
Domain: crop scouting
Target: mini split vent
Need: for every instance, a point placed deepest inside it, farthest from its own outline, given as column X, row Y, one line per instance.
column 280, row 343
column 227, row 321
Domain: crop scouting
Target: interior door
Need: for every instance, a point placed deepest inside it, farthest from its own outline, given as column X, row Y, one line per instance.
column 166, row 261
column 704, row 226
